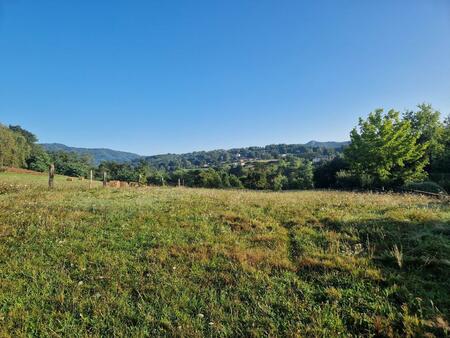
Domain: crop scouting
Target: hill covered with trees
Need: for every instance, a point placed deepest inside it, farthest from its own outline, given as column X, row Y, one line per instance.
column 312, row 150
column 98, row 155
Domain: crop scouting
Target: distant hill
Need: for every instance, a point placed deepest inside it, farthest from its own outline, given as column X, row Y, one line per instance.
column 98, row 154
column 310, row 150
column 329, row 144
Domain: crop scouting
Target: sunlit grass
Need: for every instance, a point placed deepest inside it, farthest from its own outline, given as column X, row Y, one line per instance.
column 190, row 262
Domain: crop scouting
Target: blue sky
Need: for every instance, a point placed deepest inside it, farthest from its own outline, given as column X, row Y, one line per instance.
column 176, row 76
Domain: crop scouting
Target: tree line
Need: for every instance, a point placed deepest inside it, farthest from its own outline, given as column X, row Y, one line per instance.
column 216, row 158
column 387, row 150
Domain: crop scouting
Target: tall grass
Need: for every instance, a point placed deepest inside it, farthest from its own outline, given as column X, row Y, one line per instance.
column 193, row 262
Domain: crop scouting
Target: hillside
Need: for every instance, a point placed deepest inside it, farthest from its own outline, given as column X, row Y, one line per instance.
column 98, row 155
column 196, row 262
column 309, row 150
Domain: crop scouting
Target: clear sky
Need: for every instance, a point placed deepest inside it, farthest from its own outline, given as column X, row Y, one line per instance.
column 176, row 76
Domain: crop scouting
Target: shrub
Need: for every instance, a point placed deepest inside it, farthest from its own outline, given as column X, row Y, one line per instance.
column 443, row 179
column 346, row 179
column 427, row 186
column 445, row 184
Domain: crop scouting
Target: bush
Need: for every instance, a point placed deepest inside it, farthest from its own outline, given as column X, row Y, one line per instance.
column 346, row 179
column 427, row 186
column 443, row 179
column 445, row 184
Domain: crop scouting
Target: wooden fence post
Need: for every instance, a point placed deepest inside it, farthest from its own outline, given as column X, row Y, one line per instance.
column 90, row 179
column 51, row 175
column 140, row 179
column 104, row 179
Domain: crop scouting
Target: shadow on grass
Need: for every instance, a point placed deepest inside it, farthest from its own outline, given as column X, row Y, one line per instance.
column 412, row 254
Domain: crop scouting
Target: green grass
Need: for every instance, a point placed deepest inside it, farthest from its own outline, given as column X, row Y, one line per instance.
column 195, row 262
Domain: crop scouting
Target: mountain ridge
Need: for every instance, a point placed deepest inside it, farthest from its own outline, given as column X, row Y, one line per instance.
column 105, row 154
column 98, row 154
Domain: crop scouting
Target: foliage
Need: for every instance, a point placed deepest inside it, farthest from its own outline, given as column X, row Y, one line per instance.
column 217, row 158
column 427, row 186
column 29, row 136
column 385, row 148
column 39, row 159
column 426, row 123
column 350, row 180
column 14, row 148
column 18, row 148
column 325, row 173
column 118, row 171
column 441, row 163
column 71, row 164
column 202, row 262
column 283, row 175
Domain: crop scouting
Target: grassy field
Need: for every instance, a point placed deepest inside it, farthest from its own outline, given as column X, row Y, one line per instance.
column 194, row 262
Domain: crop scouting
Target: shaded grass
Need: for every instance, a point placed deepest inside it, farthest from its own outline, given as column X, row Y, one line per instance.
column 194, row 262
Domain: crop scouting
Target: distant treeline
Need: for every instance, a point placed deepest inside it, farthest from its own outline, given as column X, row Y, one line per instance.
column 215, row 158
column 289, row 173
column 386, row 151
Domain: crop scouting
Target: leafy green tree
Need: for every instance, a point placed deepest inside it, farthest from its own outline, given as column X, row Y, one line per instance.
column 225, row 178
column 325, row 174
column 29, row 136
column 278, row 182
column 39, row 159
column 14, row 148
column 235, row 182
column 426, row 123
column 256, row 179
column 440, row 169
column 210, row 178
column 385, row 148
column 155, row 177
column 299, row 173
column 71, row 164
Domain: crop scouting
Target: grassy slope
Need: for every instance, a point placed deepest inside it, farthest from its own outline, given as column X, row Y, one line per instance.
column 175, row 261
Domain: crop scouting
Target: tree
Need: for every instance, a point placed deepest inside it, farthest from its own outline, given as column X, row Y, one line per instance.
column 278, row 182
column 235, row 182
column 325, row 174
column 210, row 179
column 39, row 159
column 426, row 123
column 440, row 169
column 299, row 174
column 386, row 149
column 71, row 164
column 29, row 136
column 14, row 148
column 256, row 179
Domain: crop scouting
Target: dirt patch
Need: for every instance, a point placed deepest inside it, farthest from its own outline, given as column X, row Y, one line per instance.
column 237, row 223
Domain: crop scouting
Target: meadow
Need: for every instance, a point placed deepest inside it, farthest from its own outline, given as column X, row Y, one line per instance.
column 160, row 261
